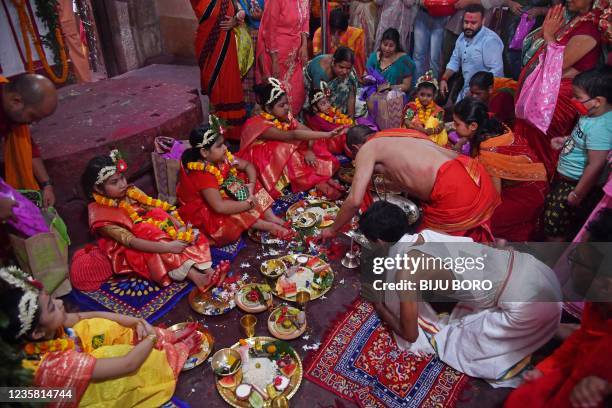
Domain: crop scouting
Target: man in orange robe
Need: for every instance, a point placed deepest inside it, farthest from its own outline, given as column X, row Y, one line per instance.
column 456, row 193
column 25, row 99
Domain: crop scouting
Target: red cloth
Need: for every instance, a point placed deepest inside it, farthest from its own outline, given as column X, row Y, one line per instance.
column 583, row 354
column 335, row 145
column 218, row 60
column 590, row 60
column 563, row 122
column 273, row 159
column 220, row 228
column 90, row 268
column 515, row 219
column 502, row 107
column 149, row 265
column 462, row 200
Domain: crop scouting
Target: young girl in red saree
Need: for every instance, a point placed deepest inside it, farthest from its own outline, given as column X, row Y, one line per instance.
column 141, row 234
column 102, row 358
column 283, row 150
column 213, row 195
column 512, row 165
column 325, row 117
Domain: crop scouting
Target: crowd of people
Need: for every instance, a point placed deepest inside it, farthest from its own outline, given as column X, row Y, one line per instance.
column 494, row 145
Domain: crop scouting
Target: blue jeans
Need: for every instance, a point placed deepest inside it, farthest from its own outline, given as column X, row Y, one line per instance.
column 428, row 35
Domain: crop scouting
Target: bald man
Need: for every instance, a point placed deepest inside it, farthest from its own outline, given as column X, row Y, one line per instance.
column 25, row 99
column 455, row 191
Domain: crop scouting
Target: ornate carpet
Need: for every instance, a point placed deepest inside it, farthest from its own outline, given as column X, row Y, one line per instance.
column 359, row 361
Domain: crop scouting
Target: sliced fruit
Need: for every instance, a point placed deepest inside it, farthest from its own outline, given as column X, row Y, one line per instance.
column 256, row 400
column 289, row 369
column 228, row 381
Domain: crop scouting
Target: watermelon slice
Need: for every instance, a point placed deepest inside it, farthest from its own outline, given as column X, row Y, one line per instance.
column 289, row 369
column 228, row 381
column 286, row 288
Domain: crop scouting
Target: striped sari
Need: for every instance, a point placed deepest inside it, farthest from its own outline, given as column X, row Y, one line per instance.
column 218, row 60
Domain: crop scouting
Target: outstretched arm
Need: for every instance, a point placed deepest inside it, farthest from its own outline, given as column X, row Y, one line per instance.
column 364, row 167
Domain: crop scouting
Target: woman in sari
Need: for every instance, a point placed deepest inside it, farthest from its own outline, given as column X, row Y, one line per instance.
column 337, row 71
column 512, row 165
column 105, row 358
column 217, row 55
column 580, row 40
column 392, row 62
column 364, row 15
column 284, row 151
column 282, row 47
column 254, row 12
column 340, row 33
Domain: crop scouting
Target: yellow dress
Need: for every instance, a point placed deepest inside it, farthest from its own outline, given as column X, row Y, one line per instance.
column 441, row 138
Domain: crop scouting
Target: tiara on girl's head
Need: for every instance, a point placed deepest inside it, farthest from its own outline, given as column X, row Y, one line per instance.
column 277, row 90
column 428, row 78
column 28, row 304
column 120, row 166
column 324, row 92
column 216, row 130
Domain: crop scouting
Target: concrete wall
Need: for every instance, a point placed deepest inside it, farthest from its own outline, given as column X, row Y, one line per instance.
column 133, row 26
column 178, row 25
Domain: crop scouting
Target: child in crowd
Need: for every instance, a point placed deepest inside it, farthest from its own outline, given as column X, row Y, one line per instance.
column 496, row 93
column 141, row 234
column 574, row 191
column 104, row 358
column 323, row 116
column 282, row 149
column 423, row 114
column 578, row 373
column 213, row 195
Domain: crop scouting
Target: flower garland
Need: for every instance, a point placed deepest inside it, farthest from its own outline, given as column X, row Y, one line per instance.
column 49, row 346
column 167, row 225
column 337, row 117
column 214, row 170
column 27, row 30
column 277, row 123
column 424, row 114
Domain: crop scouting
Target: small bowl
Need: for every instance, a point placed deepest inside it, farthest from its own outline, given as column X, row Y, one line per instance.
column 302, row 259
column 221, row 359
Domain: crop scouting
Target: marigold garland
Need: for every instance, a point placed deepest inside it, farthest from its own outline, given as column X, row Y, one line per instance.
column 167, row 225
column 277, row 123
column 28, row 30
column 49, row 346
column 337, row 117
column 214, row 170
column 424, row 114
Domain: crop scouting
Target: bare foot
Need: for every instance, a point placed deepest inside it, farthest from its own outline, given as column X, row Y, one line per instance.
column 336, row 185
column 202, row 280
column 185, row 332
column 329, row 191
column 281, row 232
column 271, row 217
column 193, row 343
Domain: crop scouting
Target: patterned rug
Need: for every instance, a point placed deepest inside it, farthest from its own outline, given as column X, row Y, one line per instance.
column 141, row 298
column 359, row 361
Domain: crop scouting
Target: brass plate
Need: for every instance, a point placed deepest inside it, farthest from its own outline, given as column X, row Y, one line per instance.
column 321, row 208
column 251, row 307
column 346, row 174
column 273, row 268
column 280, row 332
column 207, row 346
column 229, row 396
column 204, row 304
column 314, row 293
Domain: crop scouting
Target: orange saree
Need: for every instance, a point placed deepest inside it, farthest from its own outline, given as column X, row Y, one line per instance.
column 152, row 266
column 281, row 163
column 218, row 60
column 509, row 157
column 353, row 38
column 220, row 228
column 462, row 200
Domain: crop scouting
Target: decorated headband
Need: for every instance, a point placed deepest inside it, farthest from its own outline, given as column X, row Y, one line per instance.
column 107, row 172
column 216, row 130
column 324, row 92
column 28, row 304
column 277, row 90
column 428, row 78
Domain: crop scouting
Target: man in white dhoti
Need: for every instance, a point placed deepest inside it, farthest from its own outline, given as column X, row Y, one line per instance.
column 508, row 302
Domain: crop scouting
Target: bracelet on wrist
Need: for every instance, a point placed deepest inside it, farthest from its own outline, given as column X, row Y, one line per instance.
column 47, row 183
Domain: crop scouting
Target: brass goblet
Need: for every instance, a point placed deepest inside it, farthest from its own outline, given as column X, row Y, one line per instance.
column 280, row 402
column 248, row 322
column 301, row 298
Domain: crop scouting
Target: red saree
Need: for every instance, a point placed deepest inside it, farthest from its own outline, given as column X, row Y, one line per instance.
column 280, row 163
column 220, row 228
column 151, row 266
column 509, row 157
column 462, row 200
column 336, row 144
column 565, row 116
column 218, row 60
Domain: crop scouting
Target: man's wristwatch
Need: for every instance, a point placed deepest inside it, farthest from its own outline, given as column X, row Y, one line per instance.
column 44, row 184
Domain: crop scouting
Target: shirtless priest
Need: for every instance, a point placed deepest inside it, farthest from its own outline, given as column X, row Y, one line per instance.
column 455, row 191
column 508, row 302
